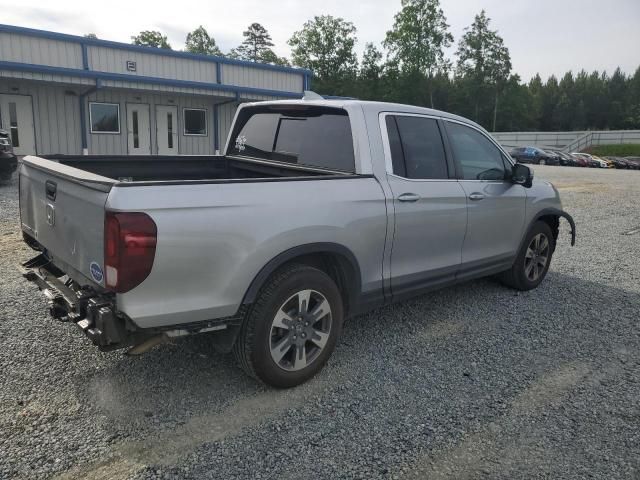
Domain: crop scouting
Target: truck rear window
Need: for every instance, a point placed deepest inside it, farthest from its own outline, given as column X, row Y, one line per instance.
column 304, row 135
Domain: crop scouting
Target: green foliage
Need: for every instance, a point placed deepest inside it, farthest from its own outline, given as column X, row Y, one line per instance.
column 484, row 62
column 151, row 38
column 90, row 35
column 199, row 41
column 256, row 45
column 624, row 150
column 326, row 46
column 418, row 38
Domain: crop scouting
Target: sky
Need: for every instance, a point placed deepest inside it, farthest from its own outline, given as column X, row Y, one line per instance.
column 545, row 36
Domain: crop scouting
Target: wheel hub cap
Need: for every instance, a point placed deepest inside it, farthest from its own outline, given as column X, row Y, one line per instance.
column 536, row 257
column 300, row 330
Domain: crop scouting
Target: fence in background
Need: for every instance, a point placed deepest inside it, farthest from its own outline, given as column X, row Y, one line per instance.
column 567, row 141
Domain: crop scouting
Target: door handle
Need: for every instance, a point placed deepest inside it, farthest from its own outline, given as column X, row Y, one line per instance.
column 476, row 196
column 409, row 197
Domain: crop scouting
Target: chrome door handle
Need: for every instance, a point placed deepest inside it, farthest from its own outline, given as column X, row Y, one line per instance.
column 409, row 197
column 476, row 196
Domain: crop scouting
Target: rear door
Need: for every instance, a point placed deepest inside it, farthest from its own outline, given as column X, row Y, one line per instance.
column 429, row 204
column 63, row 209
column 138, row 129
column 16, row 117
column 496, row 206
column 167, row 129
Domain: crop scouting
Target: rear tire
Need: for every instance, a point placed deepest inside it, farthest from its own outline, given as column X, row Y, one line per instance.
column 292, row 328
column 532, row 263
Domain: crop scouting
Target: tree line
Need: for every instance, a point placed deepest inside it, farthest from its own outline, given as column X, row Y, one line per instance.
column 410, row 66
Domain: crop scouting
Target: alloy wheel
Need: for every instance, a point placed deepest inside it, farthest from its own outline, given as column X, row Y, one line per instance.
column 300, row 330
column 537, row 256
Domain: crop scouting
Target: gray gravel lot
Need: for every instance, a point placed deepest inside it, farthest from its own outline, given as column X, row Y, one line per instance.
column 469, row 382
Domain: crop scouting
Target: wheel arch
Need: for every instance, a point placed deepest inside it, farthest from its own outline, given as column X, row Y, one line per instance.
column 336, row 260
column 551, row 216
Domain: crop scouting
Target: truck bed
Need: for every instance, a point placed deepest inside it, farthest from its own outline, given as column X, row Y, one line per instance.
column 155, row 168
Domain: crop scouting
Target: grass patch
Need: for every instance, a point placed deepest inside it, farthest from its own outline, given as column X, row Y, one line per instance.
column 623, row 150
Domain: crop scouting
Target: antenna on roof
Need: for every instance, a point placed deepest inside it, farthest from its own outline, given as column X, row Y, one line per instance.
column 309, row 95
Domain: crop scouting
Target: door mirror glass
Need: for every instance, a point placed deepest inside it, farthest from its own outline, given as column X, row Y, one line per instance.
column 522, row 175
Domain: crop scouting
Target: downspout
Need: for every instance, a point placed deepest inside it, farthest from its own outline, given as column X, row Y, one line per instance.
column 83, row 115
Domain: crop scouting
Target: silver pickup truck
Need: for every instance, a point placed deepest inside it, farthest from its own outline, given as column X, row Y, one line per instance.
column 318, row 210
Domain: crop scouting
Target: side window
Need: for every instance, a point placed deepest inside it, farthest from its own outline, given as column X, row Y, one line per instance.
column 416, row 148
column 479, row 158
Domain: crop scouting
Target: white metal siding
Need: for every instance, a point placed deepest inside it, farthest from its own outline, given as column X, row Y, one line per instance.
column 225, row 118
column 247, row 76
column 112, row 60
column 40, row 51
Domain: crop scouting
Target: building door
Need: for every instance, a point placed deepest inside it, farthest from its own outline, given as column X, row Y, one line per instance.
column 16, row 117
column 167, row 129
column 138, row 129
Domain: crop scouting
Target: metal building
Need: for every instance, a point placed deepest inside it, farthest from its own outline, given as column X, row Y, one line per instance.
column 71, row 95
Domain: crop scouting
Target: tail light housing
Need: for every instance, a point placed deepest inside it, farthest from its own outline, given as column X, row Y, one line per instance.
column 129, row 249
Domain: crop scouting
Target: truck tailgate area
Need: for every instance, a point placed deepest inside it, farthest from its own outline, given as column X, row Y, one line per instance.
column 62, row 208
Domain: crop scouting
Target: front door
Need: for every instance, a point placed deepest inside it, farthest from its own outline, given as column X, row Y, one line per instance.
column 16, row 117
column 496, row 206
column 138, row 129
column 429, row 205
column 167, row 129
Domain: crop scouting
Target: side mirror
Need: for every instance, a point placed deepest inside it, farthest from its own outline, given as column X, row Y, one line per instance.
column 522, row 175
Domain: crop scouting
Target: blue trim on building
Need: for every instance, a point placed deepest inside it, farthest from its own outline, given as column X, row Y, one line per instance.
column 151, row 50
column 85, row 56
column 216, row 139
column 74, row 72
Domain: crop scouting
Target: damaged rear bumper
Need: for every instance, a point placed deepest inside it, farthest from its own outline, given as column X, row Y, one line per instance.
column 96, row 314
column 92, row 311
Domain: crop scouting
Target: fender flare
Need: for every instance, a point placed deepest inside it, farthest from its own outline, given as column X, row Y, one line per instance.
column 557, row 213
column 306, row 249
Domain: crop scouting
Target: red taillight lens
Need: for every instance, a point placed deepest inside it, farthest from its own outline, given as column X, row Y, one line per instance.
column 129, row 249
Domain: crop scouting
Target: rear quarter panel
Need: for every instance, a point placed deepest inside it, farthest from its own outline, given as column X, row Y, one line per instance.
column 213, row 239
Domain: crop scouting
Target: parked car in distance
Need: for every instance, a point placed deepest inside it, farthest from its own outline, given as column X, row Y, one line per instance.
column 534, row 155
column 591, row 162
column 317, row 211
column 8, row 161
column 580, row 160
column 565, row 159
column 634, row 162
column 619, row 162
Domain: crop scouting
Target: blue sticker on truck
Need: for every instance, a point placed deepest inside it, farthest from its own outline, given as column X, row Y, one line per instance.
column 96, row 272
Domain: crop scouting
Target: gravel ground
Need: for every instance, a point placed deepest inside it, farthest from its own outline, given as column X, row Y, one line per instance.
column 473, row 381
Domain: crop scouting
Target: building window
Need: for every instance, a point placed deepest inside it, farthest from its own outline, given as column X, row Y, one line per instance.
column 195, row 121
column 104, row 117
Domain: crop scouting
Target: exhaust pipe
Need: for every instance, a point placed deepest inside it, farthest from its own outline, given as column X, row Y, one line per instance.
column 147, row 345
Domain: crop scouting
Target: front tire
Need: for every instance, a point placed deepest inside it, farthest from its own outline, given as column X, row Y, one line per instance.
column 532, row 263
column 292, row 328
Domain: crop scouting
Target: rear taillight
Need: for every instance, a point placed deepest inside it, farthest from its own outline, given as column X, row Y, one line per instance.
column 129, row 249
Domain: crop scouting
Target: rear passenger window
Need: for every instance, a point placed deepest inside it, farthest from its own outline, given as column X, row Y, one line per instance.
column 416, row 147
column 305, row 135
column 479, row 158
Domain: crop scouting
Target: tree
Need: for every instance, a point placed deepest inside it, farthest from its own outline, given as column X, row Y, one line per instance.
column 151, row 38
column 483, row 57
column 199, row 41
column 326, row 46
column 417, row 40
column 269, row 56
column 90, row 35
column 371, row 70
column 256, row 43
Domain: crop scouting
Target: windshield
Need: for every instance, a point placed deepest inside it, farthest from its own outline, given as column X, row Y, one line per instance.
column 304, row 135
